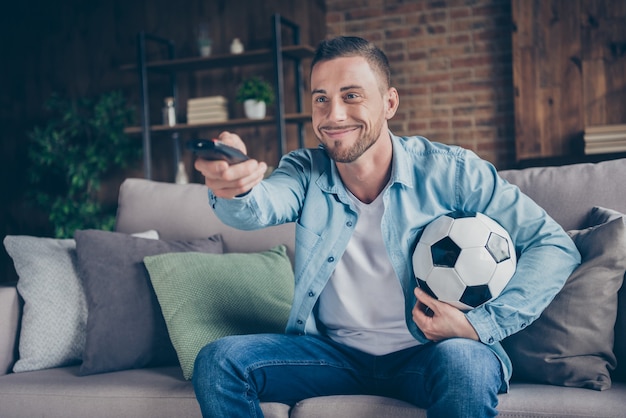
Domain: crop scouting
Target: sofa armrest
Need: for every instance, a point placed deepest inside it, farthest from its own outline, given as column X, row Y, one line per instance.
column 10, row 314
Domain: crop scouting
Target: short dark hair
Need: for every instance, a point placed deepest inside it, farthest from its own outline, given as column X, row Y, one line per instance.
column 351, row 46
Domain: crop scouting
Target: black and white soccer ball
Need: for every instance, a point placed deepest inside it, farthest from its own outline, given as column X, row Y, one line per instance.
column 464, row 260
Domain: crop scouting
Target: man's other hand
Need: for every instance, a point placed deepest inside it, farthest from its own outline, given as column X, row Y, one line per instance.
column 439, row 320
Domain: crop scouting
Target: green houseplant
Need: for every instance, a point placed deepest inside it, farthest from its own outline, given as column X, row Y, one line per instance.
column 82, row 141
column 255, row 94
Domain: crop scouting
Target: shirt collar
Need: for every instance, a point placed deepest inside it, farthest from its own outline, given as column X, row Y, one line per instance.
column 401, row 171
column 402, row 163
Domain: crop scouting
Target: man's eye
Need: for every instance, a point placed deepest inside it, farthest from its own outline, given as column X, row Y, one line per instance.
column 320, row 99
column 351, row 96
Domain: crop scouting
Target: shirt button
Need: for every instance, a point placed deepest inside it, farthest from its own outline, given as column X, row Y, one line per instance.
column 331, row 259
column 299, row 321
column 491, row 340
column 311, row 294
column 349, row 224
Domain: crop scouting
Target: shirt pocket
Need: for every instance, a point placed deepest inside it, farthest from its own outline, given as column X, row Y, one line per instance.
column 307, row 243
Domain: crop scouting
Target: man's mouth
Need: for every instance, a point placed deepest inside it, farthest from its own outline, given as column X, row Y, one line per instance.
column 338, row 131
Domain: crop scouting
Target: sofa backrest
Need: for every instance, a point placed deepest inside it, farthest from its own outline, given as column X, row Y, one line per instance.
column 569, row 192
column 182, row 211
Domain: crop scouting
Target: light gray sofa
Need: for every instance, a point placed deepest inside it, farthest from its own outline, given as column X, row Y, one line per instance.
column 568, row 193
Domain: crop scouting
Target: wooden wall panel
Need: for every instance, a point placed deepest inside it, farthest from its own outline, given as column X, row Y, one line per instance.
column 569, row 71
column 547, row 77
column 604, row 60
column 526, row 123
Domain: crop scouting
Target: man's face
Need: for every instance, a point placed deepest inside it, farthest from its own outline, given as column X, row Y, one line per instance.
column 350, row 107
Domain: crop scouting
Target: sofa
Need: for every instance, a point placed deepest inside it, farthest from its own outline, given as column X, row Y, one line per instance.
column 569, row 363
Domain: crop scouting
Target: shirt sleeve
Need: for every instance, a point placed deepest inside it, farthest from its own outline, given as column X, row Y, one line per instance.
column 277, row 199
column 546, row 254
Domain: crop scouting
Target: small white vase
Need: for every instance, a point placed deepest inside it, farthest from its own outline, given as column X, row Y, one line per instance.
column 254, row 109
column 181, row 174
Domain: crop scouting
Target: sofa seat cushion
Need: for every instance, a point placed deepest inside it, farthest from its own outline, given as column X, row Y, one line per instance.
column 527, row 400
column 523, row 401
column 355, row 406
column 62, row 393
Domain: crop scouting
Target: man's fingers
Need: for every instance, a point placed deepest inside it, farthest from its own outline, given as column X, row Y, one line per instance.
column 428, row 302
column 228, row 181
column 233, row 140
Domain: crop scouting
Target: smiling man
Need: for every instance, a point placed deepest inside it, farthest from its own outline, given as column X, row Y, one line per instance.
column 360, row 202
column 351, row 107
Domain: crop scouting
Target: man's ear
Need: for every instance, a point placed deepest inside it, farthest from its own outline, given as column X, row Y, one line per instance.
column 392, row 101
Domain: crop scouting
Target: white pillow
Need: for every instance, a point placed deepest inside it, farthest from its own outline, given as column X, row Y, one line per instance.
column 55, row 310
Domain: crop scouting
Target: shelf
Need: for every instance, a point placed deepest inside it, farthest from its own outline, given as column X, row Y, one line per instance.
column 231, row 123
column 273, row 56
column 258, row 56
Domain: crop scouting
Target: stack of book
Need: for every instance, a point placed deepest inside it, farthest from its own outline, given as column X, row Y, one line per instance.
column 207, row 110
column 605, row 139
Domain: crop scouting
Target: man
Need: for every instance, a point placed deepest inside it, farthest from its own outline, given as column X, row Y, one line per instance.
column 358, row 324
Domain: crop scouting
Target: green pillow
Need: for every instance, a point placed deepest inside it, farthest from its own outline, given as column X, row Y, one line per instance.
column 207, row 296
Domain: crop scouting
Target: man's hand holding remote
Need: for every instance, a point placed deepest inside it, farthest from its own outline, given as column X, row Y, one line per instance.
column 228, row 181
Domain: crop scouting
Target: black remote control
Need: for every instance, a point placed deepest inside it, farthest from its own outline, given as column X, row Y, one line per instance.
column 215, row 150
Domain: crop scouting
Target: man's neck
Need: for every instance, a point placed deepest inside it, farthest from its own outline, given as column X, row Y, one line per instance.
column 367, row 177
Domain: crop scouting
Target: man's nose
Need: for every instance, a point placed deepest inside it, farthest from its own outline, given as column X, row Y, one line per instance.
column 337, row 110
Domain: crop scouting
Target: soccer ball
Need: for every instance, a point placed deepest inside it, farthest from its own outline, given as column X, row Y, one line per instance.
column 464, row 260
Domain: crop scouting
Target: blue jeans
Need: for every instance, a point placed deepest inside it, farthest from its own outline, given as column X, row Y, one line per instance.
column 451, row 378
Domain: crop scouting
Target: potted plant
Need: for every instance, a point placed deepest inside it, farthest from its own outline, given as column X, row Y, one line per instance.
column 82, row 141
column 255, row 94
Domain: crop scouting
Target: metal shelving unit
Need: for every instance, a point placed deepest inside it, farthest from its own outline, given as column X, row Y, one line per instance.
column 295, row 52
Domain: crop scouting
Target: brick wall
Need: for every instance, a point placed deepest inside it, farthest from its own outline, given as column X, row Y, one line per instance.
column 451, row 63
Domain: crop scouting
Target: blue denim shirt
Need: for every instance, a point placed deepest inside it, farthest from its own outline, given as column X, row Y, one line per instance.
column 427, row 180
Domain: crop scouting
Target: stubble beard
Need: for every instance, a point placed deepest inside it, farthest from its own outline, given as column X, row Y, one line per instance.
column 351, row 154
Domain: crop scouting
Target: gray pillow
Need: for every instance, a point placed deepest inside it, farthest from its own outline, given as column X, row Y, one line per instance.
column 571, row 344
column 52, row 332
column 600, row 215
column 125, row 326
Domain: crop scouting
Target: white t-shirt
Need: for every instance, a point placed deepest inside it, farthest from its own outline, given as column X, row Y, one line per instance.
column 362, row 305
